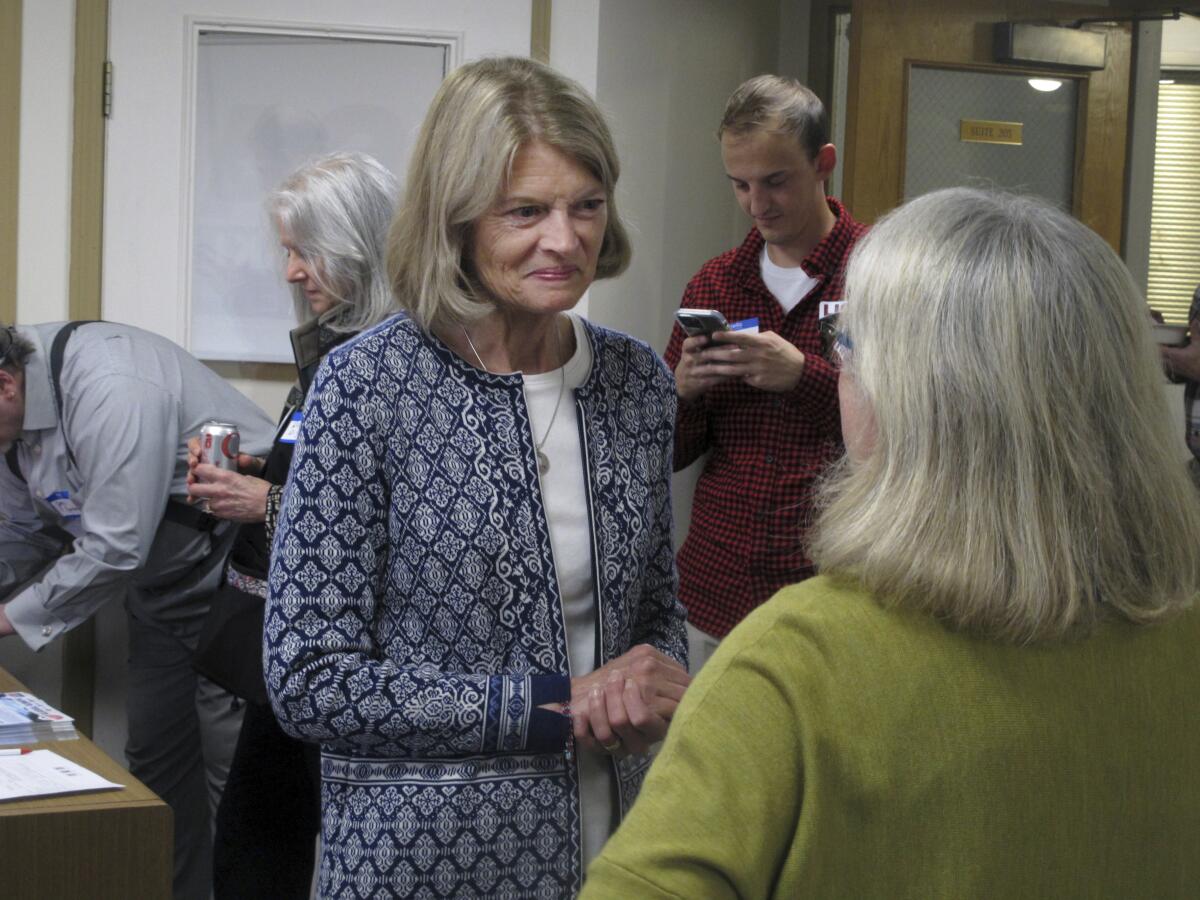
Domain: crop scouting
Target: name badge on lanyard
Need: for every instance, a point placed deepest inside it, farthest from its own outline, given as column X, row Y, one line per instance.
column 830, row 308
column 66, row 507
column 291, row 431
column 749, row 326
column 63, row 505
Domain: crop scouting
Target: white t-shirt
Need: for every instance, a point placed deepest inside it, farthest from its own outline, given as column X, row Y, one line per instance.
column 564, row 494
column 789, row 285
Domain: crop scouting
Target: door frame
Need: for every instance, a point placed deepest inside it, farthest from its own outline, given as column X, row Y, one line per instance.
column 87, row 159
column 10, row 153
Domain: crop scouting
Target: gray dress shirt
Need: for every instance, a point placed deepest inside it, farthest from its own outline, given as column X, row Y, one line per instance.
column 131, row 400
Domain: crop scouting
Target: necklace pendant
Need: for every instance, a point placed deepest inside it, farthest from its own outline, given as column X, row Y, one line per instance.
column 543, row 462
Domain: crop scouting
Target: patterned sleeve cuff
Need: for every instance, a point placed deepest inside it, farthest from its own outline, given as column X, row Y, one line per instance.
column 274, row 499
column 548, row 730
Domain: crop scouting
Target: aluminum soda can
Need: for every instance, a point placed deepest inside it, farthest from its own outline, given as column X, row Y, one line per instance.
column 219, row 445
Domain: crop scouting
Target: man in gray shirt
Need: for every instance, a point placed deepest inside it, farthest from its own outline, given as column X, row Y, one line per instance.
column 92, row 508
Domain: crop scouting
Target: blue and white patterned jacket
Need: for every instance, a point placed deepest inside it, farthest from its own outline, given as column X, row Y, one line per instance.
column 414, row 623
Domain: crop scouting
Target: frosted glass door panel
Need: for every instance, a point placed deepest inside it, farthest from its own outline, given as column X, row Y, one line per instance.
column 936, row 156
column 266, row 103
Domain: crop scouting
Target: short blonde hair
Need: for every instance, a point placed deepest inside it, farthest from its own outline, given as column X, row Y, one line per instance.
column 481, row 116
column 1025, row 478
column 776, row 103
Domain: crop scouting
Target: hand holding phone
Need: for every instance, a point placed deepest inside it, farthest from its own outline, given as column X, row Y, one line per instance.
column 693, row 377
column 701, row 321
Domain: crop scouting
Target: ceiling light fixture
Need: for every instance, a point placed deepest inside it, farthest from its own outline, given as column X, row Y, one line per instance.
column 1045, row 84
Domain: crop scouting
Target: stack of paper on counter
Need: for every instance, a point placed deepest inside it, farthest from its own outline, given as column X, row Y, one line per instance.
column 41, row 773
column 25, row 719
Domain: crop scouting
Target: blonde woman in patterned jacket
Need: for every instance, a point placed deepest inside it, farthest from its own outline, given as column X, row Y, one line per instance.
column 473, row 596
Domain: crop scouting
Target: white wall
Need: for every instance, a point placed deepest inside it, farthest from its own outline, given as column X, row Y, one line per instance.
column 794, row 19
column 1181, row 43
column 44, row 202
column 575, row 39
column 664, row 72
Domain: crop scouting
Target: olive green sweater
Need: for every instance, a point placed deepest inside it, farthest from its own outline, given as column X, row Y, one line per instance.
column 832, row 748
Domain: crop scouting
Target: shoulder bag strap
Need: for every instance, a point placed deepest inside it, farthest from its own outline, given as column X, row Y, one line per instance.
column 57, row 351
column 14, row 465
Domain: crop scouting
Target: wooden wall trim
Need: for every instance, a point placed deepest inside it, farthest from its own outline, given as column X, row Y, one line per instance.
column 539, row 38
column 10, row 153
column 87, row 218
column 1100, row 177
column 87, row 158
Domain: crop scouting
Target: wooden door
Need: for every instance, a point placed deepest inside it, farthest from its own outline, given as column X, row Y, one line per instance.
column 887, row 37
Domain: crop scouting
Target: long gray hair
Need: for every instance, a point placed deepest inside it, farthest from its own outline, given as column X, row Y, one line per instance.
column 1024, row 478
column 336, row 211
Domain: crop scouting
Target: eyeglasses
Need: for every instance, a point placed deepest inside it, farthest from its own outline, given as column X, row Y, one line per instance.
column 835, row 342
column 842, row 347
column 828, row 328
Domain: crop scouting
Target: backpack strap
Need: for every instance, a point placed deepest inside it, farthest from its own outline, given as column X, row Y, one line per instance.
column 57, row 350
column 177, row 512
column 14, row 465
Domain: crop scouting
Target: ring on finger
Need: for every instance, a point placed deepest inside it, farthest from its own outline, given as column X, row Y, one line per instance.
column 612, row 747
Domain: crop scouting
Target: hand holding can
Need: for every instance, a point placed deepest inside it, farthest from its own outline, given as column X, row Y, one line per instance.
column 219, row 442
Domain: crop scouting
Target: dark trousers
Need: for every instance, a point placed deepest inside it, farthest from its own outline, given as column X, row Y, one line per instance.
column 269, row 816
column 182, row 730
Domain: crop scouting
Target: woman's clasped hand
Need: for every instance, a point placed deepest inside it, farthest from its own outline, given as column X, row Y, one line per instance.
column 625, row 705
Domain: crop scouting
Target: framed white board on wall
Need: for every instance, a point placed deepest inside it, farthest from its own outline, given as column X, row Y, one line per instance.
column 266, row 101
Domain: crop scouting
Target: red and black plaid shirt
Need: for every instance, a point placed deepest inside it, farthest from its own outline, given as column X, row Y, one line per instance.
column 754, row 497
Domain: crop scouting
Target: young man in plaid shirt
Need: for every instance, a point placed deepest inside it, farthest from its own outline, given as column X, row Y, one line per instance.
column 762, row 400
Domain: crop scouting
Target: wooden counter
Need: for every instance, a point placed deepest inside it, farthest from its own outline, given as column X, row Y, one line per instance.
column 95, row 846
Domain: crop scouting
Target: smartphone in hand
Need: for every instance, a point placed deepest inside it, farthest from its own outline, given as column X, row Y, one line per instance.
column 701, row 321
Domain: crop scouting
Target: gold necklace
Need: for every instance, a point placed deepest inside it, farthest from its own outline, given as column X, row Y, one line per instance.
column 543, row 460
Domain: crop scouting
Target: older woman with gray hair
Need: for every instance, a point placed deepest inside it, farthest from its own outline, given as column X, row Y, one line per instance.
column 990, row 690
column 332, row 217
column 473, row 596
